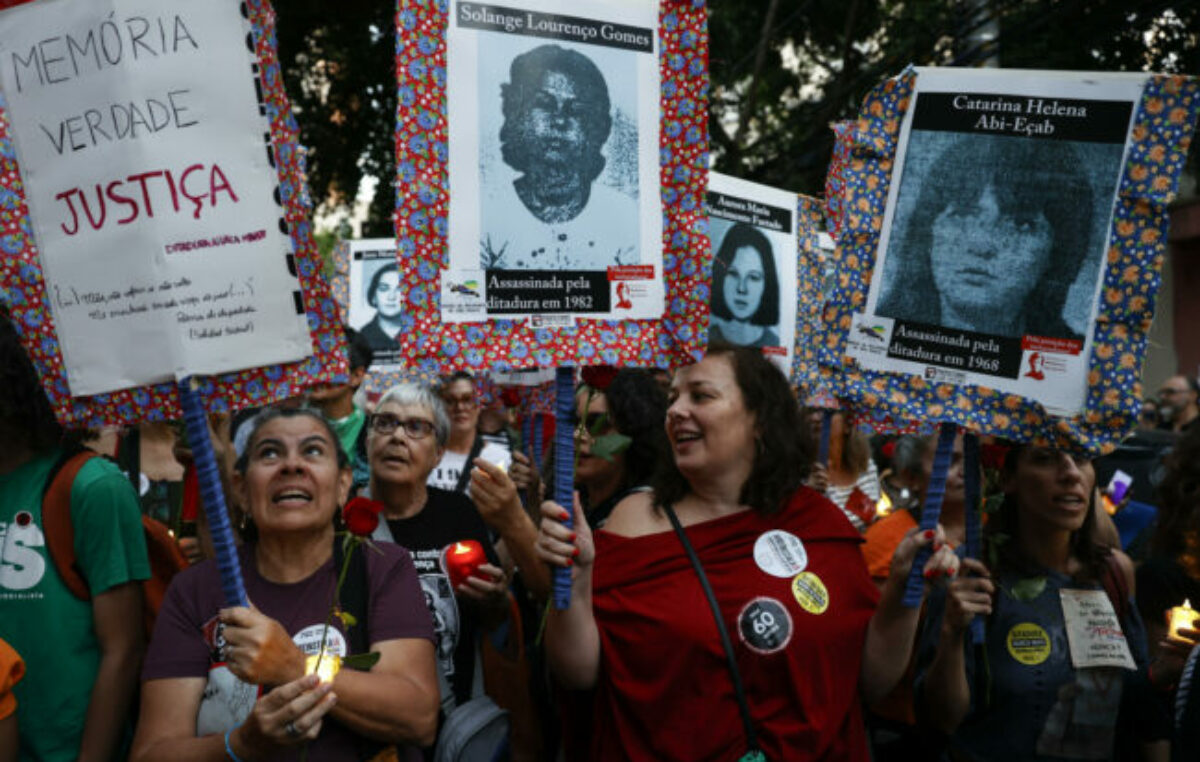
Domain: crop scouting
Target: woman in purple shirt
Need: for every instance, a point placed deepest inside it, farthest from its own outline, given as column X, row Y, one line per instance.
column 230, row 682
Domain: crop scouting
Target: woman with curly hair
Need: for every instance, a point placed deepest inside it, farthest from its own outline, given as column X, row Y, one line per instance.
column 730, row 532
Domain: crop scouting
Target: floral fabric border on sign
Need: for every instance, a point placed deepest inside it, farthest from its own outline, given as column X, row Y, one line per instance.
column 1160, row 137
column 422, row 202
column 22, row 287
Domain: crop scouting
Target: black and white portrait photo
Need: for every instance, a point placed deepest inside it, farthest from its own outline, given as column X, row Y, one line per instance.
column 554, row 160
column 561, row 193
column 999, row 235
column 745, row 286
column 376, row 305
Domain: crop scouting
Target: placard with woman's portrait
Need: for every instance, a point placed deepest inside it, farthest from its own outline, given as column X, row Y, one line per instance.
column 375, row 308
column 752, row 229
column 992, row 249
column 1002, row 238
column 554, row 162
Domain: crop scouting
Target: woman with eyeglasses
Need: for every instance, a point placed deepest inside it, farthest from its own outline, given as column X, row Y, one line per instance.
column 407, row 437
column 224, row 683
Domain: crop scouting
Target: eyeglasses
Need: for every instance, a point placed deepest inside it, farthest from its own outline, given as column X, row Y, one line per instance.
column 466, row 400
column 415, row 428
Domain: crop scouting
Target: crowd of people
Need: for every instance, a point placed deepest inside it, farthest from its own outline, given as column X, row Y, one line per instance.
column 731, row 594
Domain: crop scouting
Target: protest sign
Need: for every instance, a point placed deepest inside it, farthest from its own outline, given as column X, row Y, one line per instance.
column 1053, row 188
column 568, row 141
column 374, row 304
column 268, row 304
column 553, row 124
column 753, row 233
column 140, row 140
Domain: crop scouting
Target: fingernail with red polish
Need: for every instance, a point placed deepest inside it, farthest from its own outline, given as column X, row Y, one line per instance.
column 575, row 553
column 572, row 537
column 570, row 561
column 565, row 516
column 929, row 534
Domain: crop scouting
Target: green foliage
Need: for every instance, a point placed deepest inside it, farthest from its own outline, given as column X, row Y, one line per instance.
column 361, row 661
column 775, row 87
column 1029, row 588
column 607, row 446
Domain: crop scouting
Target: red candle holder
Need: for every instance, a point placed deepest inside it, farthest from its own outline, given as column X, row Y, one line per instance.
column 461, row 559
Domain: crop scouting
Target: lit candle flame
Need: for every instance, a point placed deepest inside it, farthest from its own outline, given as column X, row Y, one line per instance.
column 330, row 664
column 884, row 506
column 1181, row 617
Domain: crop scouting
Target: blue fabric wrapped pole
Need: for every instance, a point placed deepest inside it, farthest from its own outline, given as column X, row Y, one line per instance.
column 564, row 468
column 209, row 480
column 527, row 433
column 974, row 523
column 537, row 442
column 914, row 591
column 823, row 447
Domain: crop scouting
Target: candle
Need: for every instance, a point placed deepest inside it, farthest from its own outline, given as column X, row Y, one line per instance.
column 328, row 667
column 1180, row 617
column 461, row 559
column 884, row 506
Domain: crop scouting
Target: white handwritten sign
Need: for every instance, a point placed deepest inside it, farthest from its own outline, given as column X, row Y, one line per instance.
column 1094, row 631
column 149, row 181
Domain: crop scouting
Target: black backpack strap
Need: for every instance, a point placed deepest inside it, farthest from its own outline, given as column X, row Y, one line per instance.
column 726, row 643
column 465, row 476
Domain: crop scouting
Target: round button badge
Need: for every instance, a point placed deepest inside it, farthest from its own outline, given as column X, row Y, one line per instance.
column 1028, row 644
column 765, row 625
column 780, row 554
column 810, row 593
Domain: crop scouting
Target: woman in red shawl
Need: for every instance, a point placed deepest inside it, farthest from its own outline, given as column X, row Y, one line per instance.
column 809, row 632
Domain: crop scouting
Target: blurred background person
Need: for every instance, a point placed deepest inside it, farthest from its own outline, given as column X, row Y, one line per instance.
column 1177, row 403
column 336, row 403
column 465, row 442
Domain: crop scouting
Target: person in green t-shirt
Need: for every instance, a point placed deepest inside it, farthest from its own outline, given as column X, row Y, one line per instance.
column 82, row 657
column 336, row 401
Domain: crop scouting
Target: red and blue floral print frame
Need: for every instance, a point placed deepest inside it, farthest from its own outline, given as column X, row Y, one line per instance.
column 422, row 203
column 1161, row 136
column 22, row 287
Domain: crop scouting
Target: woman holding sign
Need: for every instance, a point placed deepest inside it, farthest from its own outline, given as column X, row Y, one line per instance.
column 1063, row 640
column 231, row 683
column 805, row 632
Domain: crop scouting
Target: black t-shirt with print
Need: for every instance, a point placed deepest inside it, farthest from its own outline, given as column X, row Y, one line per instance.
column 447, row 517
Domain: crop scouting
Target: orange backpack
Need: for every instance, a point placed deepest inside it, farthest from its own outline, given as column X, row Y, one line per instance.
column 163, row 552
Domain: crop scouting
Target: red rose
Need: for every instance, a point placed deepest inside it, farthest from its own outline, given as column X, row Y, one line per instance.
column 362, row 516
column 599, row 377
column 510, row 396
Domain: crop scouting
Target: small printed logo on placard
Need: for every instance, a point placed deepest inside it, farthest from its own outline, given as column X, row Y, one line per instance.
column 764, row 625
